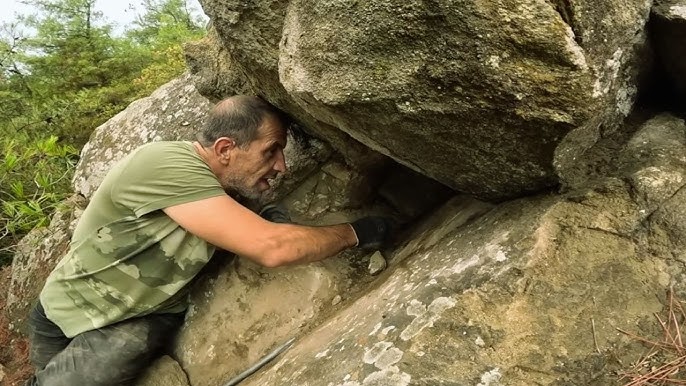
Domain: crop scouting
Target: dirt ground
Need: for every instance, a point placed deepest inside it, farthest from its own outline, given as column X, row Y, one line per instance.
column 14, row 353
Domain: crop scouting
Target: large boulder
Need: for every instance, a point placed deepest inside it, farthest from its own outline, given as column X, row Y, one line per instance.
column 493, row 99
column 210, row 63
column 530, row 293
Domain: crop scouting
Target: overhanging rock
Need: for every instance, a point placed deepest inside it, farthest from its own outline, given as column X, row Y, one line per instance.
column 494, row 99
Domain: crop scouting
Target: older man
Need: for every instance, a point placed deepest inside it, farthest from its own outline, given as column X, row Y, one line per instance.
column 121, row 290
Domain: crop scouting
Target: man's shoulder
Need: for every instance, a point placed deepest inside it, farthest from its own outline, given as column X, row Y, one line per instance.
column 183, row 146
column 154, row 153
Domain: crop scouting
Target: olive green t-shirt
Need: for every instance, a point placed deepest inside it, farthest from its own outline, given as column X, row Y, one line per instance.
column 127, row 258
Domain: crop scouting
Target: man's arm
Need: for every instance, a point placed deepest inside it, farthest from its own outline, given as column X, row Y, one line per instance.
column 223, row 222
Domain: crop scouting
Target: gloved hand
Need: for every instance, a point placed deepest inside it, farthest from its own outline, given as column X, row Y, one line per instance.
column 372, row 231
column 275, row 213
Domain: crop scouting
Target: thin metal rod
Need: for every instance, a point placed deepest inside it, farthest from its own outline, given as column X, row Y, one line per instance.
column 265, row 359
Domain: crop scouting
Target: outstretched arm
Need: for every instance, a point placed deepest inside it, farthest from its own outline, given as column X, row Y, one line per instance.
column 223, row 222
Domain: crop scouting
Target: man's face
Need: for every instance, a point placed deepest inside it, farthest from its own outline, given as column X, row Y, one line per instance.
column 252, row 166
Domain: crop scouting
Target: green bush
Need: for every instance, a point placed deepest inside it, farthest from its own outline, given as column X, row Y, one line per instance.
column 35, row 174
column 59, row 82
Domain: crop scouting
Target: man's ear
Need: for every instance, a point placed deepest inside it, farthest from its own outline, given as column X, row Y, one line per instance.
column 223, row 147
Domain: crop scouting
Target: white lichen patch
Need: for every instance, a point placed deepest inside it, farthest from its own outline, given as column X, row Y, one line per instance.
column 575, row 50
column 625, row 98
column 425, row 316
column 608, row 74
column 383, row 355
column 490, row 251
column 390, row 377
column 375, row 329
column 463, row 265
column 373, row 354
column 388, row 358
column 678, row 11
column 490, row 378
column 656, row 178
column 493, row 61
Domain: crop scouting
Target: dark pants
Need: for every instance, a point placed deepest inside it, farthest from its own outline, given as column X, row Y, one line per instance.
column 112, row 355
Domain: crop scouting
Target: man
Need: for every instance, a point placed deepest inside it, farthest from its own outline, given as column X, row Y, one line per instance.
column 120, row 292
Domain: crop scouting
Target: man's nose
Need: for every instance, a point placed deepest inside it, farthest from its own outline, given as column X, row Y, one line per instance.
column 280, row 165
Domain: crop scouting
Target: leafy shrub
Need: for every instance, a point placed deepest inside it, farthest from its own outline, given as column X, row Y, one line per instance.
column 35, row 174
column 66, row 77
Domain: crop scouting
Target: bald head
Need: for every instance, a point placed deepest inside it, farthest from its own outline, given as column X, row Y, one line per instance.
column 239, row 117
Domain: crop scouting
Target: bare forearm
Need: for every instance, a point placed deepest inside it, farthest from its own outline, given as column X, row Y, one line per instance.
column 296, row 244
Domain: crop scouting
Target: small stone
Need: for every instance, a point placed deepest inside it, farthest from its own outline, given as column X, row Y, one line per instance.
column 337, row 299
column 165, row 371
column 377, row 263
column 2, row 373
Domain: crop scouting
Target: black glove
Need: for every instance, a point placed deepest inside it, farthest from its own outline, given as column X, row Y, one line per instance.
column 372, row 231
column 275, row 213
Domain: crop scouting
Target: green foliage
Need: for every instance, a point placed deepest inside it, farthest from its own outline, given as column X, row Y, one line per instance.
column 61, row 76
column 166, row 23
column 34, row 175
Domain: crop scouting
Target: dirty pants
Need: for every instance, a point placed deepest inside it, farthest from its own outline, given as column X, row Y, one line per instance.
column 112, row 355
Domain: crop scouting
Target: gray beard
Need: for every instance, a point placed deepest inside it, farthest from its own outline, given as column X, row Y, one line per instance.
column 239, row 187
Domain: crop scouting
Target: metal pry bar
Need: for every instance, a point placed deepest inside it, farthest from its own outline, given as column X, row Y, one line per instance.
column 265, row 359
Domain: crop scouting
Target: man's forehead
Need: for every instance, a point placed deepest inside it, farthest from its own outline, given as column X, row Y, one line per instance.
column 273, row 130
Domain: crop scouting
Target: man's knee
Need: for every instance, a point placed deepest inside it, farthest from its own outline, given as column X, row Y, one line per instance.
column 46, row 339
column 115, row 354
column 66, row 379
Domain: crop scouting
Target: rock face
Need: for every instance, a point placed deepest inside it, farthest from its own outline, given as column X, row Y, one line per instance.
column 530, row 293
column 175, row 111
column 208, row 60
column 36, row 256
column 487, row 98
column 165, row 372
column 239, row 314
column 669, row 29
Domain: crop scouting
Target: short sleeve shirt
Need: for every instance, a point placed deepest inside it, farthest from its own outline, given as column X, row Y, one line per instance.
column 127, row 258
